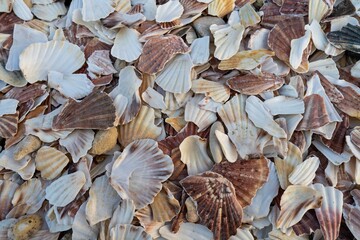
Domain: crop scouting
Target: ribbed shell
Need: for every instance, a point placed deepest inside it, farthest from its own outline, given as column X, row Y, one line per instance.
column 50, row 162
column 304, row 173
column 220, row 8
column 9, row 125
column 78, row 143
column 128, row 231
column 7, row 191
column 218, row 91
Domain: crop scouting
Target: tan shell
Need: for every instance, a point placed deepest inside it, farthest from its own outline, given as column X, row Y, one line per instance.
column 7, row 191
column 104, row 141
column 26, row 227
column 26, row 146
column 9, row 125
column 50, row 162
column 220, row 8
column 246, row 60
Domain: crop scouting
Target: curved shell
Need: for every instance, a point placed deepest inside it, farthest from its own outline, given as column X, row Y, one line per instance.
column 25, row 227
column 200, row 50
column 220, row 8
column 304, row 173
column 318, row 9
column 81, row 229
column 128, row 231
column 50, row 162
column 78, row 143
column 49, row 12
column 9, row 125
column 187, row 231
column 218, row 91
column 22, row 10
column 94, row 10
column 214, row 144
column 246, row 60
column 284, row 105
column 7, row 191
column 148, row 168
column 227, row 147
column 347, row 38
column 216, row 201
column 40, row 58
column 127, row 45
column 169, row 11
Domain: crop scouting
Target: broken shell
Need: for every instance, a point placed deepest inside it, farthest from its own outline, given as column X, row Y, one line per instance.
column 169, row 11
column 25, row 227
column 304, row 173
column 26, row 146
column 104, row 141
column 216, row 90
column 7, row 192
column 50, row 162
column 9, row 125
column 347, row 38
column 246, row 60
column 187, row 231
column 191, row 212
column 81, row 229
column 227, row 147
column 221, row 8
column 214, row 144
column 128, row 231
column 49, row 12
column 127, row 45
column 78, row 143
column 93, row 10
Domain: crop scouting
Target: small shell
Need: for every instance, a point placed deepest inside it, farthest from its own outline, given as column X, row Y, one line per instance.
column 50, row 162
column 227, row 147
column 25, row 227
column 123, row 214
column 187, row 231
column 7, row 191
column 93, row 10
column 8, row 106
column 218, row 91
column 99, row 63
column 194, row 155
column 220, row 8
column 246, row 60
column 49, row 12
column 6, row 6
column 104, row 141
column 153, row 98
column 9, row 125
column 298, row 46
column 284, row 105
column 216, row 202
column 12, row 78
column 191, row 212
column 169, row 11
column 318, row 10
column 214, row 144
column 128, row 231
column 22, row 10
column 78, row 143
column 304, row 173
column 248, row 15
column 127, row 45
column 200, row 50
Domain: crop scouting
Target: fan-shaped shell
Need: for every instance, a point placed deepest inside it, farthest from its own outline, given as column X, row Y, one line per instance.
column 214, row 144
column 50, row 162
column 7, row 191
column 246, row 60
column 49, row 12
column 248, row 15
column 200, row 50
column 94, row 10
column 81, row 229
column 187, row 231
column 78, row 143
column 218, row 91
column 127, row 45
column 22, row 10
column 304, row 173
column 220, row 8
column 169, row 11
column 9, row 125
column 284, row 105
column 318, row 9
column 128, row 231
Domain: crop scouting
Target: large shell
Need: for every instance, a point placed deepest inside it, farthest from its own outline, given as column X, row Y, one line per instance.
column 127, row 45
column 78, row 143
column 148, row 168
column 187, row 231
column 295, row 201
column 96, row 111
column 247, row 176
column 40, row 58
column 216, row 201
column 304, row 173
column 94, row 10
column 157, row 51
column 128, row 231
column 246, row 60
column 221, row 7
column 50, row 162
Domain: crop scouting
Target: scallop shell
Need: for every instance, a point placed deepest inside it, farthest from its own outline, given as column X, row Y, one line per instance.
column 318, row 10
column 348, row 105
column 216, row 201
column 227, row 39
column 153, row 98
column 96, row 104
column 280, row 38
column 81, row 229
column 8, row 189
column 200, row 50
column 128, row 231
column 295, row 7
column 169, row 11
column 63, row 190
column 346, row 38
column 25, row 227
column 242, row 234
column 276, row 234
column 246, row 60
column 78, row 143
column 146, row 220
column 137, row 159
column 22, row 10
column 127, row 45
column 93, row 10
column 123, row 214
column 50, row 162
column 99, row 63
column 304, row 173
column 332, row 156
column 295, row 202
column 49, row 12
column 40, row 58
column 104, row 141
column 286, row 166
column 216, row 90
column 247, row 176
column 298, row 46
column 214, row 144
column 141, row 127
column 194, row 155
column 12, row 78
column 103, row 199
column 187, row 231
column 220, row 8
column 330, row 212
column 74, row 86
column 284, row 105
column 176, row 76
column 193, row 113
column 248, row 15
column 162, row 49
column 254, row 85
column 227, row 147
column 26, row 146
column 9, row 125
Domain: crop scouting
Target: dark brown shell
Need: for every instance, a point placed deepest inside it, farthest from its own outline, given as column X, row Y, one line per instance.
column 315, row 115
column 296, row 7
column 337, row 142
column 347, row 38
column 217, row 205
column 96, row 111
column 9, row 125
column 24, row 94
column 332, row 92
column 247, row 176
column 272, row 15
column 350, row 105
column 308, row 224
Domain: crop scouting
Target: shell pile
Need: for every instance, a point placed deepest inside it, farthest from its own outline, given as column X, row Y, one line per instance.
column 179, row 119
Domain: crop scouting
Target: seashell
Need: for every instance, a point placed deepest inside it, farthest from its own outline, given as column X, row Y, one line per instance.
column 63, row 190
column 153, row 98
column 216, row 90
column 247, row 177
column 337, row 142
column 258, row 40
column 99, row 63
column 192, row 10
column 177, row 123
column 332, row 156
column 346, row 38
column 8, row 189
column 348, row 105
column 200, row 50
column 78, row 143
column 276, row 234
column 50, row 162
column 226, row 39
column 220, row 8
column 355, row 136
column 49, row 12
column 227, row 147
column 307, row 225
column 6, row 6
column 104, row 141
column 304, row 173
column 255, row 108
column 127, row 45
column 21, row 10
column 318, row 10
column 8, row 106
column 12, row 78
column 57, row 223
column 176, row 76
column 254, row 85
column 146, row 220
column 137, row 159
column 280, row 38
column 123, row 214
column 207, row 190
column 187, row 231
column 149, row 8
column 93, row 10
column 103, row 199
column 191, row 214
column 295, row 202
column 9, row 125
column 326, row 67
column 354, row 148
column 286, row 166
column 45, row 235
column 315, row 115
column 96, row 104
column 141, row 127
column 355, row 70
column 214, row 144
column 298, row 46
column 331, row 91
column 25, row 227
column 194, row 155
column 40, row 58
column 330, row 212
column 81, row 229
column 284, row 105
column 246, row 60
column 128, row 231
column 242, row 234
column 248, row 15
column 163, row 49
column 295, row 7
column 169, row 11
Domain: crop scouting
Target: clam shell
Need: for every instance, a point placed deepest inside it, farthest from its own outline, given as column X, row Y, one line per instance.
column 247, row 177
column 22, row 10
column 63, row 190
column 200, row 50
column 227, row 147
column 96, row 104
column 142, row 159
column 304, row 173
column 25, row 227
column 330, row 212
column 81, row 229
column 78, row 143
column 220, row 8
column 9, row 125
column 295, row 202
column 246, row 60
column 248, row 15
column 254, row 85
column 103, row 199
column 216, row 90
column 163, row 49
column 40, row 58
column 194, row 155
column 216, row 201
column 49, row 12
column 50, row 162
column 93, row 10
column 8, row 189
column 169, row 11
column 193, row 113
column 128, row 231
column 284, row 105
column 214, row 144
column 127, row 45
column 187, row 231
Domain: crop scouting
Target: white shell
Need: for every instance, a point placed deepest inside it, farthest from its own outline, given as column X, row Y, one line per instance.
column 187, row 231
column 228, row 148
column 81, row 229
column 6, row 6
column 8, row 106
column 153, row 98
column 200, row 50
column 317, row 10
column 258, row 40
column 242, row 234
column 334, row 157
column 218, row 91
column 193, row 113
column 7, row 191
column 123, row 214
column 194, row 155
column 128, row 231
column 63, row 190
column 284, row 105
column 214, row 144
column 94, row 10
column 49, row 12
column 78, row 143
column 169, row 11
column 127, row 45
column 56, row 222
column 12, row 78
column 248, row 15
column 304, row 173
column 149, row 7
column 22, row 10
column 325, row 66
column 297, row 49
column 39, row 58
column 176, row 76
column 99, row 63
column 355, row 70
column 74, row 86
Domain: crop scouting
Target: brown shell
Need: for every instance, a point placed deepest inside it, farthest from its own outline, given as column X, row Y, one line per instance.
column 94, row 45
column 158, row 51
column 217, row 205
column 332, row 92
column 280, row 40
column 7, row 191
column 24, row 94
column 272, row 15
column 240, row 3
column 192, row 8
column 7, row 22
column 337, row 142
column 253, row 85
column 96, row 111
column 307, row 224
column 296, row 7
column 315, row 113
column 247, row 176
column 179, row 167
column 138, row 8
column 350, row 105
column 355, row 136
column 9, row 125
